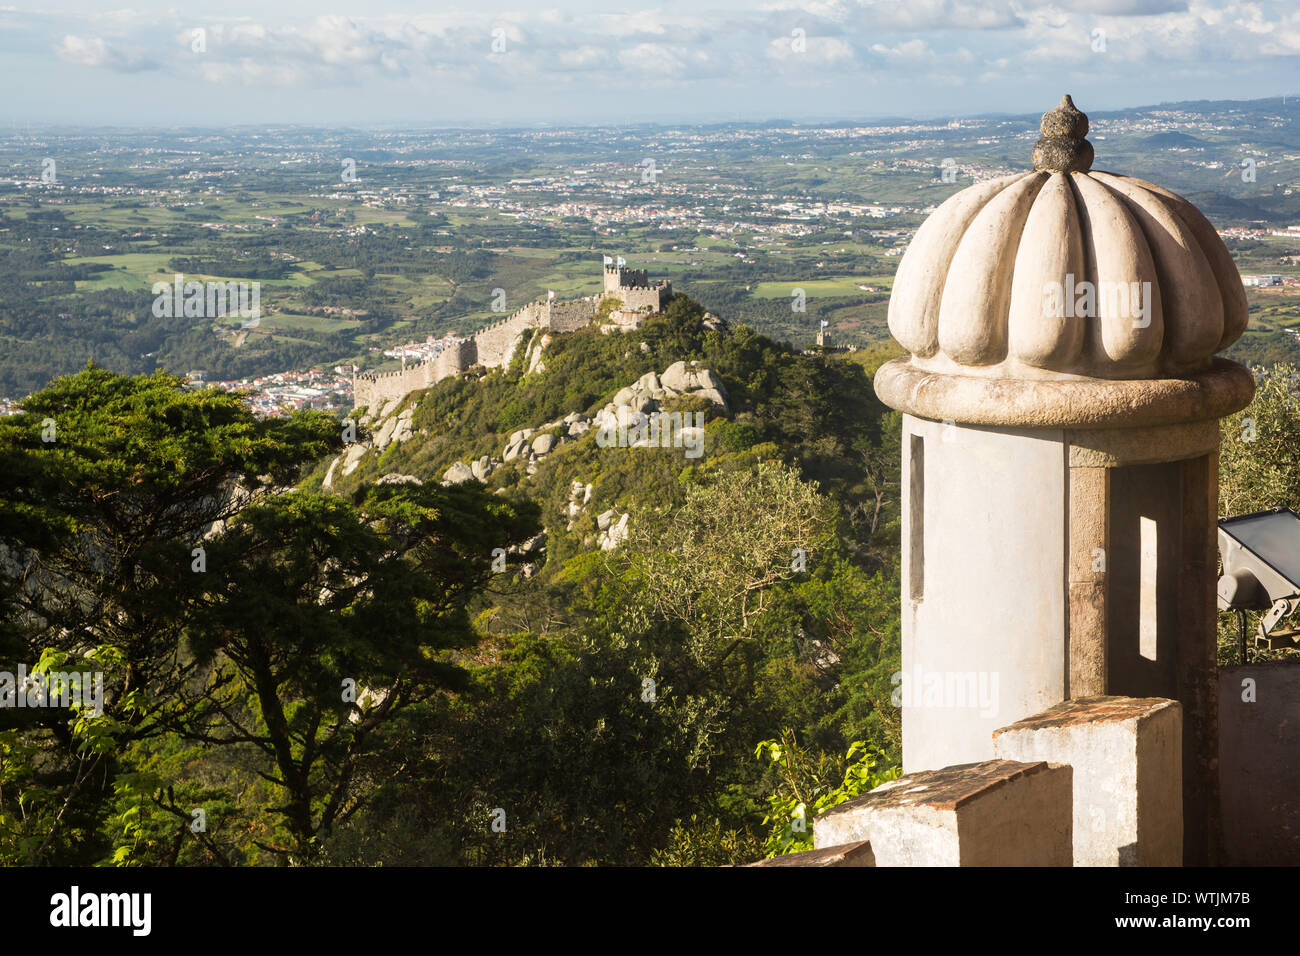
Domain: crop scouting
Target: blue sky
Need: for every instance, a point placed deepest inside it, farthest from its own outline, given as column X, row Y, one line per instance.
column 576, row 61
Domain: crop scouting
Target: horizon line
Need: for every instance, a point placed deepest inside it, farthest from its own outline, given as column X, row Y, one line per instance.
column 828, row 119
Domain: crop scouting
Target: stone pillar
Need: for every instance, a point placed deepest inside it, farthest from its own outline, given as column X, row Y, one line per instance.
column 849, row 854
column 1088, row 545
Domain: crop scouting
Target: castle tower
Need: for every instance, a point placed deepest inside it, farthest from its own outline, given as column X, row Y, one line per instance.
column 633, row 289
column 619, row 278
column 612, row 278
column 1060, row 451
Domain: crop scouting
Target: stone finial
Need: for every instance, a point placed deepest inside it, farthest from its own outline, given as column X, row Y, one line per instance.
column 1062, row 148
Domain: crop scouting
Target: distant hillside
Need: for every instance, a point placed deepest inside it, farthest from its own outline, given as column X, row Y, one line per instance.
column 1173, row 139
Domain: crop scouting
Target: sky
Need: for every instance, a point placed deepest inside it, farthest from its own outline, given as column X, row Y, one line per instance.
column 483, row 63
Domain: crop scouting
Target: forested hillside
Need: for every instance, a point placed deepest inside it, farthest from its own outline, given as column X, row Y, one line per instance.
column 617, row 655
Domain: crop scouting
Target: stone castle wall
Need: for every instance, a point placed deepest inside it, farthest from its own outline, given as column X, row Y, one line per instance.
column 496, row 343
column 454, row 360
column 654, row 298
column 372, row 390
column 494, row 346
column 571, row 316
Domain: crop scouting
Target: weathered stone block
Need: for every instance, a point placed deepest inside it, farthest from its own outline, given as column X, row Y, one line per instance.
column 1127, row 758
column 850, row 854
column 995, row 813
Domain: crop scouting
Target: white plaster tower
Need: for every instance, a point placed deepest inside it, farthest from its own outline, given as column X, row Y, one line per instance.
column 1060, row 447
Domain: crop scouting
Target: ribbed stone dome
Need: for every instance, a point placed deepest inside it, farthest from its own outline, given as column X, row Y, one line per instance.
column 1063, row 274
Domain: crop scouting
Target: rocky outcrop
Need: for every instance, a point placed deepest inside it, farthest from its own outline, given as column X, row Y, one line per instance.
column 535, row 361
column 394, row 478
column 612, row 532
column 643, row 399
column 534, row 443
column 532, row 554
column 516, row 444
column 385, row 429
column 352, row 457
column 647, row 394
column 579, row 497
column 397, row 429
column 694, row 379
column 457, row 473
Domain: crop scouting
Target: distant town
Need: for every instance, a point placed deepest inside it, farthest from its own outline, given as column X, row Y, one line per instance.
column 281, row 394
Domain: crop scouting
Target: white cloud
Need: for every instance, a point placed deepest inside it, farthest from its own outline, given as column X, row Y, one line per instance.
column 677, row 44
column 1132, row 8
column 586, row 57
column 251, row 72
column 910, row 50
column 1200, row 34
column 98, row 52
column 665, row 62
column 812, row 50
column 904, row 15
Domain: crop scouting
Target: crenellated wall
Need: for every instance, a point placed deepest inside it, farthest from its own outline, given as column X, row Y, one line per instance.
column 494, row 346
column 454, row 360
column 373, row 389
column 618, row 278
column 496, row 343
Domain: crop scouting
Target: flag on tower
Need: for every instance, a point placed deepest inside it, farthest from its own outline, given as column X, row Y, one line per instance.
column 824, row 323
column 550, row 294
column 622, row 261
column 608, row 261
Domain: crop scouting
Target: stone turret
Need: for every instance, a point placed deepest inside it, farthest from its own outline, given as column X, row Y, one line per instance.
column 632, row 287
column 1060, row 448
column 621, row 277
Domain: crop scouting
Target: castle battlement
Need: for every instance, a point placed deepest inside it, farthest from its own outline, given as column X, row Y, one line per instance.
column 621, row 277
column 494, row 345
column 396, row 373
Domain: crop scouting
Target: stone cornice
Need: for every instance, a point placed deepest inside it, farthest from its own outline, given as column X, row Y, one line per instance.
column 1225, row 387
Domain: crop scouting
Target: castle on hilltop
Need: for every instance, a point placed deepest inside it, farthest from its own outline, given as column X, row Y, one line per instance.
column 632, row 287
column 495, row 345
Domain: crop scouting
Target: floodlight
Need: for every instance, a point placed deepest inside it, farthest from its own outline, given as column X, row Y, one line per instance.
column 1261, row 570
